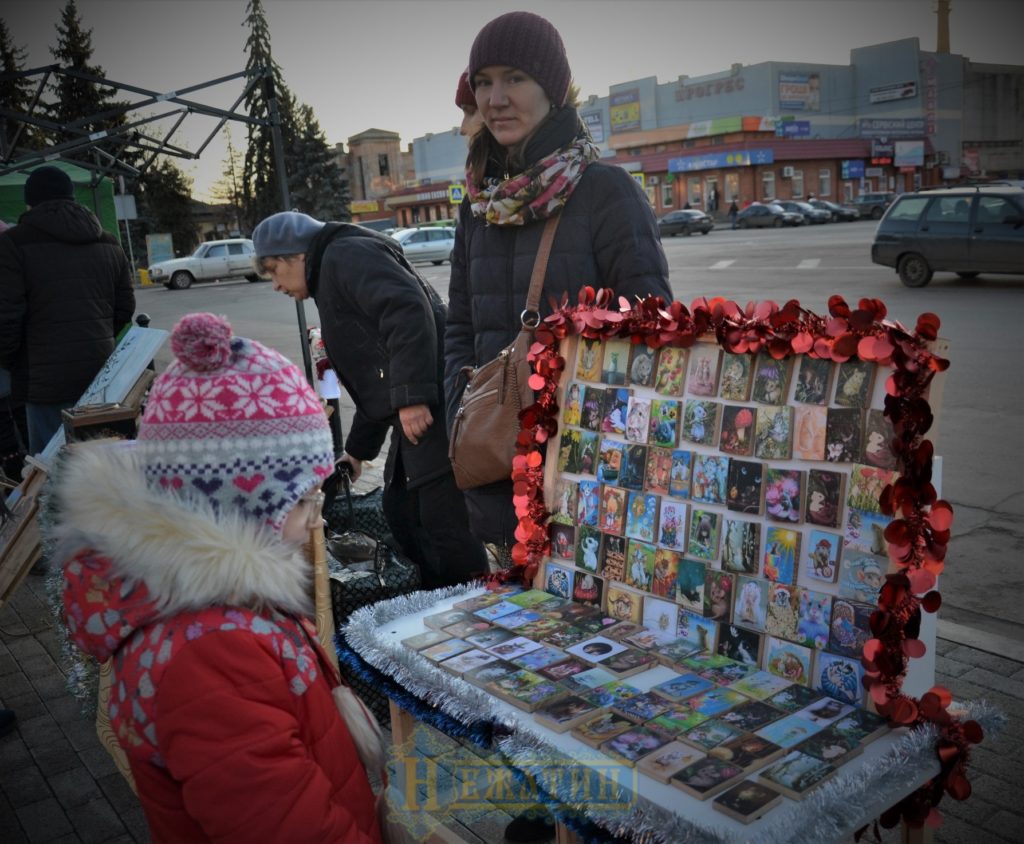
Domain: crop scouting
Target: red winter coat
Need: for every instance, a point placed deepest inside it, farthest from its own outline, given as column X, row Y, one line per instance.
column 220, row 698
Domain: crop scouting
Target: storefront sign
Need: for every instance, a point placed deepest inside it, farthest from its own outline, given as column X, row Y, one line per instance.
column 364, row 206
column 931, row 93
column 799, row 91
column 898, row 91
column 793, row 129
column 714, row 160
column 624, row 110
column 901, row 127
column 593, row 122
column 851, row 169
column 909, row 154
column 882, row 148
column 709, row 89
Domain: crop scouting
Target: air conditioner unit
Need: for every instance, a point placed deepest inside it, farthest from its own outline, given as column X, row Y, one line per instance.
column 787, row 172
column 652, row 180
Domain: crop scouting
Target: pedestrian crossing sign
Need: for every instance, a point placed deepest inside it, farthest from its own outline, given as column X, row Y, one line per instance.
column 455, row 193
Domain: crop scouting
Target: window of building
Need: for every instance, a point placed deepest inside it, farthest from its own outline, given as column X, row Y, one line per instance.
column 732, row 186
column 768, row 185
column 825, row 182
column 848, row 191
column 382, row 164
column 666, row 195
column 798, row 184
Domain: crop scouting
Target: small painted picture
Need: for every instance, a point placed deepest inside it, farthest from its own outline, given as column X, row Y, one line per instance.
column 558, row 580
column 642, row 364
column 773, row 437
column 700, row 422
column 588, row 548
column 854, row 383
column 679, row 480
column 782, row 615
column 663, row 581
column 564, row 511
column 862, row 575
column 702, row 539
column 671, row 372
column 569, row 450
column 866, row 486
column 672, row 525
column 638, row 419
column 771, row 379
column 587, row 589
column 809, row 424
column 813, row 381
column 593, row 405
column 640, row 564
column 824, row 498
column 609, row 461
column 751, row 605
column 739, row 644
column 709, row 479
column 783, row 494
column 642, row 516
column 788, row 660
column 743, row 493
column 878, row 437
column 588, row 367
column 737, row 377
column 850, row 627
column 664, row 423
column 613, row 510
column 563, row 541
column 718, row 586
column 616, row 361
column 613, row 557
column 659, row 471
column 839, row 677
column 573, row 406
column 741, row 546
column 843, row 434
column 634, row 467
column 588, row 503
column 691, row 580
column 624, row 604
column 781, row 552
column 613, row 411
column 823, row 550
column 737, row 436
column 815, row 616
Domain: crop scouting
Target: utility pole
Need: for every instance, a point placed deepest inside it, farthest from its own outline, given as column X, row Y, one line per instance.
column 286, row 204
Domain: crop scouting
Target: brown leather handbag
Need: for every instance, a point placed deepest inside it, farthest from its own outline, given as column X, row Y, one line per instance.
column 483, row 440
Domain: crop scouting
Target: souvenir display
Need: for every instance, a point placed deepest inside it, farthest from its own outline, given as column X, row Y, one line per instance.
column 788, row 660
column 749, row 752
column 737, row 434
column 638, row 419
column 706, row 778
column 854, row 382
column 796, row 774
column 751, row 716
column 438, row 621
column 425, row 640
column 690, row 585
column 671, row 371
column 781, row 552
column 771, row 379
column 739, row 644
column 631, row 745
column 468, row 661
column 700, row 422
column 613, row 411
column 718, row 588
column 600, row 728
column 682, row 686
column 615, row 361
column 710, row 734
column 809, row 424
column 741, row 543
column 679, row 479
column 664, row 424
column 658, row 474
column 634, row 467
column 813, row 381
column 565, row 713
column 744, row 486
column 737, row 377
column 773, row 432
column 702, row 377
column 524, row 689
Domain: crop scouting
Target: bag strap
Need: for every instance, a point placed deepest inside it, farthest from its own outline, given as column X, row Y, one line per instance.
column 530, row 317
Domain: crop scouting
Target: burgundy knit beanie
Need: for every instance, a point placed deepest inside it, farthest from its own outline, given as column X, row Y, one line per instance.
column 464, row 93
column 528, row 42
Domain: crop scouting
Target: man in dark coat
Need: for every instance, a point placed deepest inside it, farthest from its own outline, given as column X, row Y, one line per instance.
column 65, row 293
column 383, row 328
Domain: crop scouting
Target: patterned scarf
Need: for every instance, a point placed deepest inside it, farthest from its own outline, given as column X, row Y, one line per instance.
column 540, row 191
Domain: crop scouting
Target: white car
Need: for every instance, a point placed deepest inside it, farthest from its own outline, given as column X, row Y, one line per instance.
column 212, row 260
column 430, row 243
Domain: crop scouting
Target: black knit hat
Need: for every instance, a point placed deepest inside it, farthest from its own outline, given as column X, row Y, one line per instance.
column 48, row 183
column 528, row 42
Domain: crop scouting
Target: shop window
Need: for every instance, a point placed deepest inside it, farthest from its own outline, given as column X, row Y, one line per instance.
column 768, row 185
column 666, row 195
column 798, row 184
column 825, row 182
column 732, row 186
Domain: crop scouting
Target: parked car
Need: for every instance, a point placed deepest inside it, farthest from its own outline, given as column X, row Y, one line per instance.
column 433, row 243
column 687, row 221
column 212, row 260
column 967, row 230
column 806, row 210
column 872, row 205
column 840, row 213
column 761, row 215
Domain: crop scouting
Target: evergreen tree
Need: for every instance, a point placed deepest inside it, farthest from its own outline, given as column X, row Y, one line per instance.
column 262, row 195
column 15, row 94
column 315, row 180
column 165, row 205
column 228, row 189
column 79, row 98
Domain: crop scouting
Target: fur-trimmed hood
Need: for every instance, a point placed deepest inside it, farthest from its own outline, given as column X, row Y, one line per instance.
column 155, row 554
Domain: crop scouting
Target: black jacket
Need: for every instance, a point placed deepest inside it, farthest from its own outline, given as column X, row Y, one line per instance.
column 607, row 237
column 382, row 326
column 65, row 293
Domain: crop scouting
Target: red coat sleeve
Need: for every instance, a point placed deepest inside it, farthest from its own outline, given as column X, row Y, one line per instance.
column 228, row 730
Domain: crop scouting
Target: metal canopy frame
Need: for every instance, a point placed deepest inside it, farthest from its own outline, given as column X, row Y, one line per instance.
column 106, row 162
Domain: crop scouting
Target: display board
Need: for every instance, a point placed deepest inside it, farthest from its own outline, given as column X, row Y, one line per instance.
column 729, row 498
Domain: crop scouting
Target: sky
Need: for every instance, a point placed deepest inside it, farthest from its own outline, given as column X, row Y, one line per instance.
column 394, row 64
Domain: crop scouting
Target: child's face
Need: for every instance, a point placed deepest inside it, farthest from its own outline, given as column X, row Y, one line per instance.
column 303, row 517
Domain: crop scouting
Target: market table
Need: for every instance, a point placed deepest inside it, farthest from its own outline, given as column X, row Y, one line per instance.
column 637, row 808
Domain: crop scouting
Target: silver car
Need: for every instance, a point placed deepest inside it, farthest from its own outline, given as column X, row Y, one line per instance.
column 213, row 260
column 431, row 243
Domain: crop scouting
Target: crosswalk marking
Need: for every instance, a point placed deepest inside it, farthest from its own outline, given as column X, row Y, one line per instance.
column 721, row 265
column 809, row 264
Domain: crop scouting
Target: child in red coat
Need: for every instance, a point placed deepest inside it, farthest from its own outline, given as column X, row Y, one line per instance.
column 184, row 564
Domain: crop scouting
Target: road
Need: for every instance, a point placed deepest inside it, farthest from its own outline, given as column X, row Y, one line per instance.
column 982, row 417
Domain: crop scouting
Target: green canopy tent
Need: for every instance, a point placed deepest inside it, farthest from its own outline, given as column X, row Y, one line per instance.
column 99, row 198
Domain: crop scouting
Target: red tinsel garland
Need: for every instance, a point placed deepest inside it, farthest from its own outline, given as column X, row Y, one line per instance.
column 917, row 536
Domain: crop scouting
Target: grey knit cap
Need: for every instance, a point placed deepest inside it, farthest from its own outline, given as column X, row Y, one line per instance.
column 285, row 233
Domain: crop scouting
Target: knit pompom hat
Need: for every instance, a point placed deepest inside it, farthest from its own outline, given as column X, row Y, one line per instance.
column 464, row 93
column 528, row 42
column 233, row 423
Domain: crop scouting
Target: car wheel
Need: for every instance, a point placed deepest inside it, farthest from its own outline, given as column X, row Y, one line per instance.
column 705, row 231
column 181, row 280
column 914, row 270
column 252, row 277
column 876, row 213
column 778, row 223
column 967, row 276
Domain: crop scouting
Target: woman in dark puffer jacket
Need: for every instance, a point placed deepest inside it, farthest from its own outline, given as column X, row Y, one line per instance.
column 534, row 159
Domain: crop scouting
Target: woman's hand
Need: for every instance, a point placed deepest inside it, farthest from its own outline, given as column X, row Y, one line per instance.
column 415, row 421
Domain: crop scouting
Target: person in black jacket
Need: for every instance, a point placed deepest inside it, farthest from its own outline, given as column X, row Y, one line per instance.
column 382, row 326
column 533, row 159
column 65, row 293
